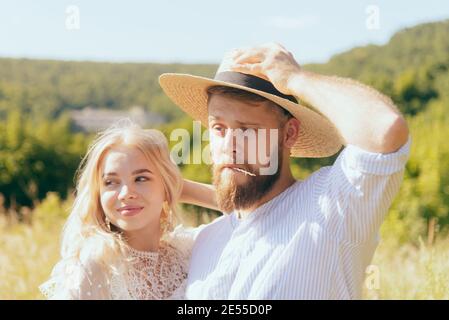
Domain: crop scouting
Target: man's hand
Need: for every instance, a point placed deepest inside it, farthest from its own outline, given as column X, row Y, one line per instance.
column 271, row 62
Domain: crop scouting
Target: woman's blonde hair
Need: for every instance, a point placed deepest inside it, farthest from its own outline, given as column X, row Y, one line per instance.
column 86, row 232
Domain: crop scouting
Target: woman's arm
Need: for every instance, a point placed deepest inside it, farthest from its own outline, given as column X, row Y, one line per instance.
column 199, row 194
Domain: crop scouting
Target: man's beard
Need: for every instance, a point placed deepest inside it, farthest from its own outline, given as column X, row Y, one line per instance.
column 233, row 196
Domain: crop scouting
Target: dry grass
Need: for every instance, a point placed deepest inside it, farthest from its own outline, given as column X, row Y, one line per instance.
column 29, row 251
column 410, row 272
column 27, row 255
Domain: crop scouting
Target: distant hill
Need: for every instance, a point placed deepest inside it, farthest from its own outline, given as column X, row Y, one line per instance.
column 48, row 88
column 411, row 68
column 421, row 45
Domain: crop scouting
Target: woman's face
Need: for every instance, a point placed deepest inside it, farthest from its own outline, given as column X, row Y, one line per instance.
column 131, row 190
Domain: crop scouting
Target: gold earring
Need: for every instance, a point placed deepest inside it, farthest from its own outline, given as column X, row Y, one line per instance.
column 167, row 219
column 108, row 223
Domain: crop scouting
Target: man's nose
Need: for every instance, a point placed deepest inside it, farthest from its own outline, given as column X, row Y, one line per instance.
column 229, row 146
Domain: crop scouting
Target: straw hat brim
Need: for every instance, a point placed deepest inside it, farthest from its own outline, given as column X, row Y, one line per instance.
column 317, row 137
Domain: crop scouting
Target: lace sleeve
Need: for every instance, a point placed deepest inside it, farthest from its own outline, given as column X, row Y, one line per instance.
column 72, row 279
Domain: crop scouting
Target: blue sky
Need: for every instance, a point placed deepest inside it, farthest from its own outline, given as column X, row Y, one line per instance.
column 200, row 31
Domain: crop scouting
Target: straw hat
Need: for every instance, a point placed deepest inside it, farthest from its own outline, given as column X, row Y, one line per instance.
column 317, row 137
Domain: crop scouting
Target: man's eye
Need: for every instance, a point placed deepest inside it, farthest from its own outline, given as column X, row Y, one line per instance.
column 219, row 129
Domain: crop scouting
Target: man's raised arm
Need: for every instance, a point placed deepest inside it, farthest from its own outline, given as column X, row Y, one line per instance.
column 364, row 117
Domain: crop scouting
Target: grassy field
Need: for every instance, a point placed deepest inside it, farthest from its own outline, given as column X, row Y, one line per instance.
column 28, row 252
column 409, row 272
column 27, row 255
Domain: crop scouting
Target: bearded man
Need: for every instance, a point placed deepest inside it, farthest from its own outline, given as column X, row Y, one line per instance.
column 281, row 238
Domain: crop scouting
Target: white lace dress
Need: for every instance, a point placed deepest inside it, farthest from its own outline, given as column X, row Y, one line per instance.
column 150, row 276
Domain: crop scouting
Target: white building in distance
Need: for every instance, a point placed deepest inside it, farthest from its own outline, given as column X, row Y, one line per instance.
column 94, row 120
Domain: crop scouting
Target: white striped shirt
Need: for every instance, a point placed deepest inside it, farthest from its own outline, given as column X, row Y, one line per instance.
column 312, row 241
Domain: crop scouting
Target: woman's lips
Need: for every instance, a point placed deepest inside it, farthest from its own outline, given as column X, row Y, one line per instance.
column 129, row 211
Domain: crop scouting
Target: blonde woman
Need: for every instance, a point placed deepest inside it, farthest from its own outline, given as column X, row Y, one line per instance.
column 118, row 241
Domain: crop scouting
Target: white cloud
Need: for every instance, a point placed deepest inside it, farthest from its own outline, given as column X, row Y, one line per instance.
column 281, row 22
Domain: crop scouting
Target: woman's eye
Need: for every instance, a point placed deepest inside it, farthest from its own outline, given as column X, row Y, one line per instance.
column 142, row 179
column 108, row 182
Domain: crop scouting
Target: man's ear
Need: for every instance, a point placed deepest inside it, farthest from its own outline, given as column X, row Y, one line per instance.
column 291, row 132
